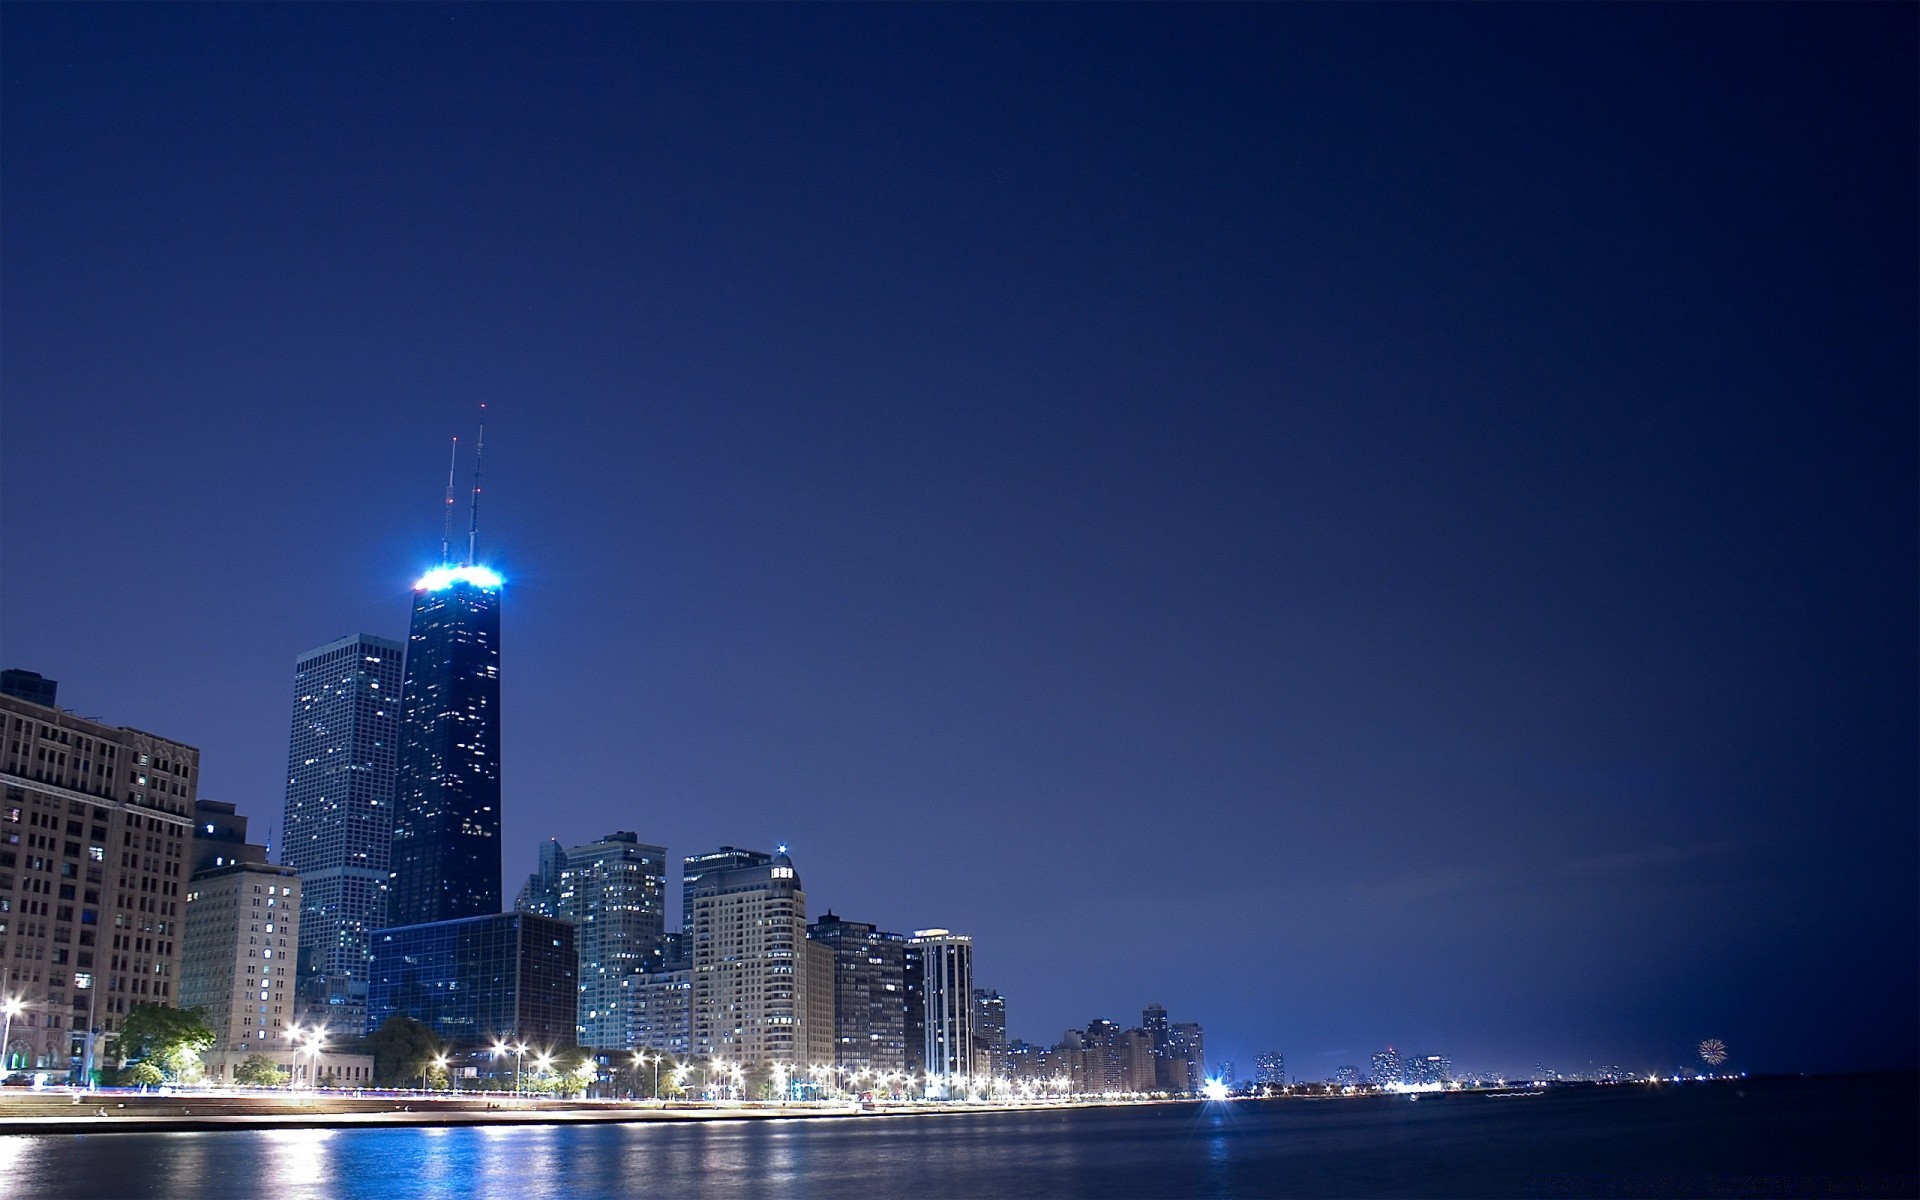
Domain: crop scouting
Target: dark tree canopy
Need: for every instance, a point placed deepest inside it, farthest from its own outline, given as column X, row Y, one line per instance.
column 403, row 1049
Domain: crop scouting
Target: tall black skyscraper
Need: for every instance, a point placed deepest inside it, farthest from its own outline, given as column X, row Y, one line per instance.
column 446, row 821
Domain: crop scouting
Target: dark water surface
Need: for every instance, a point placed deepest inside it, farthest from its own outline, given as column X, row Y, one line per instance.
column 1801, row 1137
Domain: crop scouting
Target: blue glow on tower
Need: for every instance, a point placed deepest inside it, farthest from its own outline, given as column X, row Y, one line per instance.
column 446, row 819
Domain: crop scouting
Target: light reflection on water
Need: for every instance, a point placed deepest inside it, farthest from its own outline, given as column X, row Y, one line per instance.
column 1464, row 1146
column 297, row 1163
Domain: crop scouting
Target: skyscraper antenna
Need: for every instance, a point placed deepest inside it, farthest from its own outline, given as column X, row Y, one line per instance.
column 473, row 520
column 446, row 522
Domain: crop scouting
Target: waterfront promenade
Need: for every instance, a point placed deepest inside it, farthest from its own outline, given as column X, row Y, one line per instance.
column 149, row 1112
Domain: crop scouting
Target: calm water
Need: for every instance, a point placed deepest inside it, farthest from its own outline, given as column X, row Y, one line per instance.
column 1823, row 1137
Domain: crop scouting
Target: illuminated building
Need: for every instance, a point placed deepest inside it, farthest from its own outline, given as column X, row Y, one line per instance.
column 753, row 970
column 95, row 830
column 445, row 861
column 695, row 867
column 1346, row 1077
column 939, row 1024
column 1139, row 1068
column 239, row 953
column 662, row 1002
column 503, row 976
column 1185, row 1060
column 989, row 1034
column 1425, row 1070
column 1270, row 1069
column 337, row 827
column 1386, row 1068
column 613, row 891
column 869, row 994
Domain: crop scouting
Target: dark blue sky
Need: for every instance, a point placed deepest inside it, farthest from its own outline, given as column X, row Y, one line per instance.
column 1364, row 525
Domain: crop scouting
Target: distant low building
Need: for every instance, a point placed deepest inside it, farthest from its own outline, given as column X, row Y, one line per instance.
column 328, row 1068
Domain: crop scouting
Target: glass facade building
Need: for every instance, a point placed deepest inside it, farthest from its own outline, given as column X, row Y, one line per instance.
column 510, row 976
column 338, row 820
column 445, row 859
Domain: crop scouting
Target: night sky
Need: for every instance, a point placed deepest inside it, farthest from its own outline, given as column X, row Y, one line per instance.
column 1364, row 525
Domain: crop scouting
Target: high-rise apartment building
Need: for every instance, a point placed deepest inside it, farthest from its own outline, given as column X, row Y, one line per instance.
column 869, row 995
column 1185, row 1060
column 337, row 827
column 614, row 892
column 1139, row 1067
column 239, row 954
column 445, row 862
column 989, row 1034
column 747, row 929
column 1386, row 1068
column 95, row 832
column 663, row 1000
column 1270, row 1069
column 939, row 1026
column 1426, row 1070
column 695, row 867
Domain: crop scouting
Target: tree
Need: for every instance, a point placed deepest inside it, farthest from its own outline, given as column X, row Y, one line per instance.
column 143, row 1074
column 403, row 1050
column 168, row 1039
column 577, row 1077
column 260, row 1071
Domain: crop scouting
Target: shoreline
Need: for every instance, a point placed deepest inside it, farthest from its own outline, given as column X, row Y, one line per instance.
column 113, row 1112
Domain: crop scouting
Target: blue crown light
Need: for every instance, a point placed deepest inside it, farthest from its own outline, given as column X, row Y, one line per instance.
column 441, row 578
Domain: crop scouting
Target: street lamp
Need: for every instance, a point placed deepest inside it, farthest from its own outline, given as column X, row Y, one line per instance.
column 519, row 1060
column 316, row 1041
column 439, row 1062
column 499, row 1048
column 11, row 1006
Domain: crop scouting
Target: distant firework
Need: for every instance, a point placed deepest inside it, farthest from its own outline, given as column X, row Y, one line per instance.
column 1713, row 1052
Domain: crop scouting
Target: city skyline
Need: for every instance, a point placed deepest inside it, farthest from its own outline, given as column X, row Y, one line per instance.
column 1358, row 525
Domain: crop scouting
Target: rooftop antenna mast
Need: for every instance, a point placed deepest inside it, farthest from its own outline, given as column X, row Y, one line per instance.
column 473, row 520
column 446, row 523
